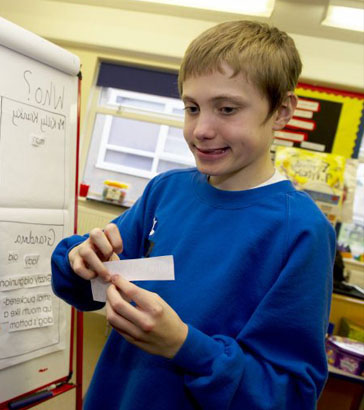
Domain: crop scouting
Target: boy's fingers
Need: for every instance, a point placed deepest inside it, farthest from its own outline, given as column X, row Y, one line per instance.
column 120, row 323
column 112, row 233
column 93, row 263
column 124, row 308
column 143, row 298
column 101, row 243
column 79, row 267
column 87, row 258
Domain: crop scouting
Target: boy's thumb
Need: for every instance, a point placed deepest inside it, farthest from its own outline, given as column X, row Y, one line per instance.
column 114, row 257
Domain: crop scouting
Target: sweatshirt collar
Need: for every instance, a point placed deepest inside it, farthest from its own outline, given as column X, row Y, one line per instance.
column 236, row 199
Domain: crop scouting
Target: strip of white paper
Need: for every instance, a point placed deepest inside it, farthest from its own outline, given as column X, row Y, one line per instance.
column 155, row 268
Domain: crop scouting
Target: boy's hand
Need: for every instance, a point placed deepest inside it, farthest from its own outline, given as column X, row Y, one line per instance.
column 150, row 324
column 87, row 259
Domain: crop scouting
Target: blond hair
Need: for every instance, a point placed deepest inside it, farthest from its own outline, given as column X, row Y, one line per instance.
column 267, row 56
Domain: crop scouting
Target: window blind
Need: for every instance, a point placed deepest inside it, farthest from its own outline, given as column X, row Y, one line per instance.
column 143, row 80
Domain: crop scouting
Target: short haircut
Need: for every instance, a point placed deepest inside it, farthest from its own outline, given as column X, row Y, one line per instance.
column 267, row 56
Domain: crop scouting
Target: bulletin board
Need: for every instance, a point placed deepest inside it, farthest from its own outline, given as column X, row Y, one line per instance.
column 38, row 157
column 317, row 148
column 326, row 120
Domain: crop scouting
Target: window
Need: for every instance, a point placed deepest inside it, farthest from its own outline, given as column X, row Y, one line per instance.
column 136, row 128
column 142, row 147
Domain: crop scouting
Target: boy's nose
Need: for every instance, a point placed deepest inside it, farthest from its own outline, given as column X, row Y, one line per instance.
column 204, row 127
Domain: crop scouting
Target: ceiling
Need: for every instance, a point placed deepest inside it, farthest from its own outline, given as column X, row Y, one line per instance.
column 294, row 16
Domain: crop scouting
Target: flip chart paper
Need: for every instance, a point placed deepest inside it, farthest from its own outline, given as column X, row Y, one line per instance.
column 29, row 44
column 155, row 268
column 38, row 163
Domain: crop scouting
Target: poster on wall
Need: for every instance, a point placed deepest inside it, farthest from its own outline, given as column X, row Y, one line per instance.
column 32, row 321
column 351, row 235
column 321, row 175
column 325, row 120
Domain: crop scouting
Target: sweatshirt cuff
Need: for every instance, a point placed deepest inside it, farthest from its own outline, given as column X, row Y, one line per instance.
column 198, row 352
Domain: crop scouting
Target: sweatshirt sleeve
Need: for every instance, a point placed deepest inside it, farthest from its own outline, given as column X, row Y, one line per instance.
column 277, row 361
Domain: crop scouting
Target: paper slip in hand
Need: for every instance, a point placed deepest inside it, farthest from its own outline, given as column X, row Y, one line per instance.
column 155, row 268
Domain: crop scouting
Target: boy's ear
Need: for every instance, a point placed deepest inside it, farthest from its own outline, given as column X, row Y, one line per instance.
column 285, row 111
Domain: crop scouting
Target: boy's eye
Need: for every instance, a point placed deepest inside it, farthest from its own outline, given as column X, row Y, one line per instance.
column 228, row 110
column 191, row 109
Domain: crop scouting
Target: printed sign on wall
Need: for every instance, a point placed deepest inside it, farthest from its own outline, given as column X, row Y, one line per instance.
column 321, row 175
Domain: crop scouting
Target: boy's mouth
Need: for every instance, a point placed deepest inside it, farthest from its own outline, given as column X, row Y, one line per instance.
column 211, row 154
column 212, row 151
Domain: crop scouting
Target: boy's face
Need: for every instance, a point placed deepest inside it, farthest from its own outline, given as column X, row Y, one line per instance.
column 227, row 129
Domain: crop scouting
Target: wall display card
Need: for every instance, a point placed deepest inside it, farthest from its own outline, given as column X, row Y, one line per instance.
column 350, row 187
column 38, row 135
column 320, row 175
column 37, row 116
column 32, row 318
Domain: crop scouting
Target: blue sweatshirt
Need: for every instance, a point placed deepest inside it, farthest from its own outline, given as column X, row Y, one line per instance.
column 253, row 278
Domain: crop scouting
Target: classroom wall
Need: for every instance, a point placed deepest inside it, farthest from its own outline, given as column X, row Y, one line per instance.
column 100, row 31
column 97, row 33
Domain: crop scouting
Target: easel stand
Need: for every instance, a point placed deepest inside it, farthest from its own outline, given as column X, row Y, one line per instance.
column 79, row 360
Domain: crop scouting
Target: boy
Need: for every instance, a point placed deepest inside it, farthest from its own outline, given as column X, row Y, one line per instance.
column 243, row 324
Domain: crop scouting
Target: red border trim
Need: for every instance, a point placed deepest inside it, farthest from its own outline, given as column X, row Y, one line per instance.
column 342, row 93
